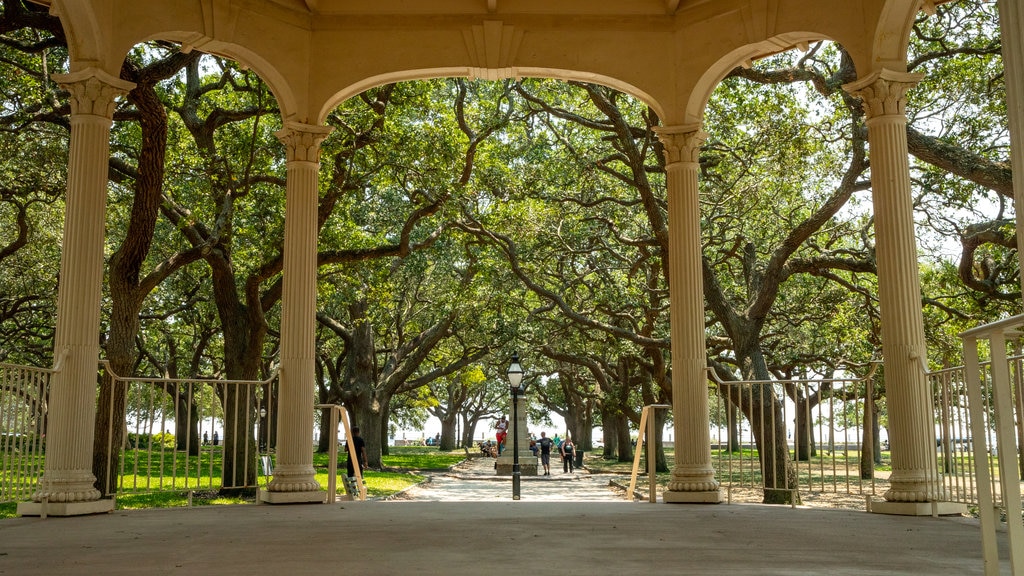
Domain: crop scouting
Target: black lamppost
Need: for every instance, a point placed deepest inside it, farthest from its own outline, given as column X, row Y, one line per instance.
column 517, row 388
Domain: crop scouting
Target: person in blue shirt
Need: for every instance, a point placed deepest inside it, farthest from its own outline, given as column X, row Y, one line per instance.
column 545, row 445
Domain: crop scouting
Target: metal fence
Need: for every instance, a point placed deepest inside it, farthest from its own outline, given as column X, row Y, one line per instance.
column 828, row 453
column 184, row 436
column 23, row 398
column 819, row 423
column 954, row 440
column 190, row 435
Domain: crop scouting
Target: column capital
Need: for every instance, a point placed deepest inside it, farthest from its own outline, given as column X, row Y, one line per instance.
column 883, row 92
column 681, row 143
column 93, row 91
column 302, row 141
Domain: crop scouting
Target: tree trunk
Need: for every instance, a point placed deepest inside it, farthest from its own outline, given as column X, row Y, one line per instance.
column 608, row 432
column 764, row 410
column 660, row 462
column 804, row 424
column 735, row 440
column 362, row 383
column 624, row 440
column 243, row 340
column 448, row 431
column 869, row 444
column 323, row 444
column 126, row 295
column 468, row 430
column 186, row 421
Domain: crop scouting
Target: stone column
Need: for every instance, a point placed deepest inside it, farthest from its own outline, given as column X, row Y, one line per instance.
column 294, row 478
column 1011, row 22
column 915, row 483
column 693, row 478
column 67, row 482
column 528, row 463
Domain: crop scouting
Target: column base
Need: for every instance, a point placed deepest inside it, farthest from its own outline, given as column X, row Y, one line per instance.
column 311, row 497
column 918, row 508
column 102, row 506
column 528, row 465
column 710, row 497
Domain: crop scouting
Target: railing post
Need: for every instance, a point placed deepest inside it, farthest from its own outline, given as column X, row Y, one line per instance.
column 646, row 431
column 332, row 467
column 1009, row 476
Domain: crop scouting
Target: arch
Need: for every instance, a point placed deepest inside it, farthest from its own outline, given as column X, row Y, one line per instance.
column 485, row 74
column 287, row 101
column 714, row 75
column 83, row 30
column 892, row 36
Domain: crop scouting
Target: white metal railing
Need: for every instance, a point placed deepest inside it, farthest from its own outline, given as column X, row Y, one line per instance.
column 826, row 436
column 955, row 439
column 24, row 393
column 995, row 412
column 181, row 434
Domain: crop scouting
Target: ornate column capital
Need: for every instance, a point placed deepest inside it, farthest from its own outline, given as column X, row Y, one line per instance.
column 883, row 92
column 93, row 91
column 682, row 143
column 302, row 141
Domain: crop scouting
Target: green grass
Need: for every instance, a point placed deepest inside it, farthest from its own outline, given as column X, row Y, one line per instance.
column 745, row 470
column 164, row 479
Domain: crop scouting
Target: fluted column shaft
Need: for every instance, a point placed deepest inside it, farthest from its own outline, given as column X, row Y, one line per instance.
column 1011, row 22
column 693, row 478
column 293, row 471
column 911, row 429
column 68, row 474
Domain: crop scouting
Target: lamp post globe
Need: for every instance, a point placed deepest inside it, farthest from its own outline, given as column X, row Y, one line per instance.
column 516, row 388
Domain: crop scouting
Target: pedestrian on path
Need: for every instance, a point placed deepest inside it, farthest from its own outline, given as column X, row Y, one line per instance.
column 545, row 444
column 568, row 454
column 359, row 446
column 502, row 428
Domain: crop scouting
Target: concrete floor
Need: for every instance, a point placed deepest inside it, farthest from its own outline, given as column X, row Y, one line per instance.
column 491, row 534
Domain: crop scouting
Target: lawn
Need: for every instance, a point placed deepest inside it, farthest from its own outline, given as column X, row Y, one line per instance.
column 165, row 480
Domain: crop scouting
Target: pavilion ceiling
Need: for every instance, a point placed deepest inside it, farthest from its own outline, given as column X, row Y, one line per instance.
column 466, row 7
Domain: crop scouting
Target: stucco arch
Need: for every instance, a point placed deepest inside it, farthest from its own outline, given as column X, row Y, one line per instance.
column 82, row 27
column 280, row 87
column 463, row 72
column 892, row 36
column 709, row 81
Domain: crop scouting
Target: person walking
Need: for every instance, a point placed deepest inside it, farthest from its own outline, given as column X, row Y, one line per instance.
column 545, row 444
column 360, row 449
column 568, row 451
column 502, row 431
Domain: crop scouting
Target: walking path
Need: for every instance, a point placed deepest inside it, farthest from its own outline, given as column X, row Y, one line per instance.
column 474, row 480
column 464, row 523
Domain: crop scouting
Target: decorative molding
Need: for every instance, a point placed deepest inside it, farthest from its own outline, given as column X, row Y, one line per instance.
column 302, row 141
column 220, row 17
column 682, row 143
column 493, row 74
column 759, row 19
column 883, row 92
column 93, row 91
column 492, row 44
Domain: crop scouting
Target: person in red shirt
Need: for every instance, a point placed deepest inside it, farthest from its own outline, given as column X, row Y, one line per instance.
column 502, row 427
